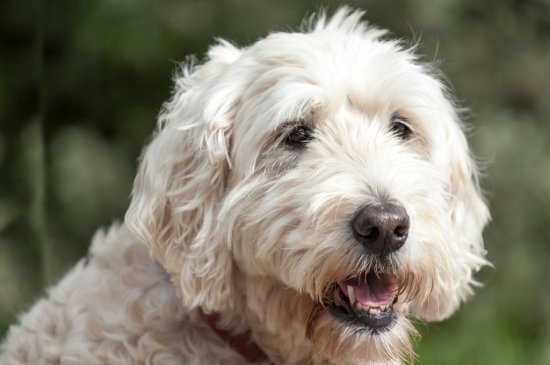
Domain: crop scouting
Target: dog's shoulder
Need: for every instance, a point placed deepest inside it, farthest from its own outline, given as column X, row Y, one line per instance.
column 102, row 311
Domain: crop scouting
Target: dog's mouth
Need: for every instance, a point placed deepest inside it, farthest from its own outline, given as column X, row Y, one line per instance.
column 365, row 301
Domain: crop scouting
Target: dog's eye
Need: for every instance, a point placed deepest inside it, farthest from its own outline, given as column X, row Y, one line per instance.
column 298, row 137
column 400, row 128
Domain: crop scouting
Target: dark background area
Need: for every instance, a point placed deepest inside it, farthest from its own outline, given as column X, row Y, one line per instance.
column 81, row 83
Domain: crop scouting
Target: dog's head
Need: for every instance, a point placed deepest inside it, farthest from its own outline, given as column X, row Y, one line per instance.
column 329, row 164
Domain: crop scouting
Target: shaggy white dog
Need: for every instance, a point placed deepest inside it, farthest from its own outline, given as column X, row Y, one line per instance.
column 303, row 198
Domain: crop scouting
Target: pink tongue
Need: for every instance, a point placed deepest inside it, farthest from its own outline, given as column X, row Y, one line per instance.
column 375, row 292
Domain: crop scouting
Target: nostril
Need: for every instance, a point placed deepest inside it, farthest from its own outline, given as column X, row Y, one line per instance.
column 370, row 233
column 401, row 231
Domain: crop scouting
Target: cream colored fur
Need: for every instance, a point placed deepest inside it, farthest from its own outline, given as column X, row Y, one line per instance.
column 240, row 225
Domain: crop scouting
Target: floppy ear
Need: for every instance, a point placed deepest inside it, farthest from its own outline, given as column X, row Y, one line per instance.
column 181, row 180
column 468, row 216
column 469, row 212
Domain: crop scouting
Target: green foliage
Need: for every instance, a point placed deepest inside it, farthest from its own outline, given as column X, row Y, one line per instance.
column 81, row 83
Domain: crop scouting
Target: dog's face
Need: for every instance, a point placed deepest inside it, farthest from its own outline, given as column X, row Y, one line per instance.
column 329, row 164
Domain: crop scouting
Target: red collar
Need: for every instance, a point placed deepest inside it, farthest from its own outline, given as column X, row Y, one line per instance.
column 241, row 343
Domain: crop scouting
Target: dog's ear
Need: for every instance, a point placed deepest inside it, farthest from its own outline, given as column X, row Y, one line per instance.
column 181, row 181
column 468, row 216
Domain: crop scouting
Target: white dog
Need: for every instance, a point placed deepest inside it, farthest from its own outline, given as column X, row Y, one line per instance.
column 303, row 198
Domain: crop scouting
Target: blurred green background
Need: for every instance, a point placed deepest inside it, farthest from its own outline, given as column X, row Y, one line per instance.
column 81, row 83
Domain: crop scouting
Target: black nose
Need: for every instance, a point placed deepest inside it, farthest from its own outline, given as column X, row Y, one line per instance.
column 382, row 227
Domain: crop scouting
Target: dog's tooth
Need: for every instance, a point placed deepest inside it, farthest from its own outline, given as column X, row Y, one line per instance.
column 374, row 310
column 351, row 295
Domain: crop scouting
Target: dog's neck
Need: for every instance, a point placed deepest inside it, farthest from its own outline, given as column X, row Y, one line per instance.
column 280, row 340
column 242, row 343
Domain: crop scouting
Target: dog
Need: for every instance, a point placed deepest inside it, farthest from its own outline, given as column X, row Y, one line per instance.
column 301, row 201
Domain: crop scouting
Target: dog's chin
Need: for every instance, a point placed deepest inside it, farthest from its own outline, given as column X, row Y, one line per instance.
column 365, row 302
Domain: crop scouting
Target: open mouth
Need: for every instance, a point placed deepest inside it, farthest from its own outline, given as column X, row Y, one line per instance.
column 366, row 300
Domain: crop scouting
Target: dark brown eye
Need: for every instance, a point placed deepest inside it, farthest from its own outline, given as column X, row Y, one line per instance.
column 298, row 137
column 399, row 127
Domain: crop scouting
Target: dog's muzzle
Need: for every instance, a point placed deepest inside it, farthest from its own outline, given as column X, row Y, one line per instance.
column 366, row 300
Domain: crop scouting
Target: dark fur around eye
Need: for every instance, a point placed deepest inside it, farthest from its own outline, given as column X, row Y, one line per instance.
column 298, row 137
column 399, row 126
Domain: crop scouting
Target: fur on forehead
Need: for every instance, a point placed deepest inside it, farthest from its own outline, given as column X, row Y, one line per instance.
column 338, row 64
